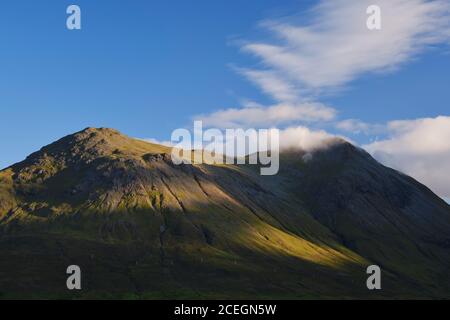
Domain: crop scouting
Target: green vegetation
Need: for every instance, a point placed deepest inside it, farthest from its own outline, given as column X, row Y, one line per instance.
column 142, row 228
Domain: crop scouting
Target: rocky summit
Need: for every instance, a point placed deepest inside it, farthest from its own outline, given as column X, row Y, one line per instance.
column 139, row 226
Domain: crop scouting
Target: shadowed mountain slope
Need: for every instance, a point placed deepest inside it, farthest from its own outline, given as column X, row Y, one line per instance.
column 140, row 226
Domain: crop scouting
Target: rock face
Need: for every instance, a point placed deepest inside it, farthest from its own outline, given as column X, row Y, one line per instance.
column 140, row 226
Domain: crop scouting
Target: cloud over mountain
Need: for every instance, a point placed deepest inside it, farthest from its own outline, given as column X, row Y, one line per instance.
column 317, row 52
column 420, row 148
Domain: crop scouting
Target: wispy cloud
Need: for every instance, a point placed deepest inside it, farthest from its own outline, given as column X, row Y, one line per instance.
column 255, row 115
column 356, row 126
column 324, row 49
column 273, row 85
column 419, row 148
column 337, row 47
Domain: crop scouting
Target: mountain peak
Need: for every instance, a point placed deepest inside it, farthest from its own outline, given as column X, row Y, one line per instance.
column 91, row 143
column 105, row 199
column 100, row 129
column 92, row 131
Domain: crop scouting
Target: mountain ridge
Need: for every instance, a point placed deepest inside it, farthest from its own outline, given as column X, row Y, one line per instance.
column 120, row 208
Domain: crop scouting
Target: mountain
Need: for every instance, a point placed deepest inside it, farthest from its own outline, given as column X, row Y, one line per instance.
column 141, row 227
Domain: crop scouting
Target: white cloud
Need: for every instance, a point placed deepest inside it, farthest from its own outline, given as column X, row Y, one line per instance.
column 353, row 126
column 271, row 84
column 420, row 148
column 325, row 49
column 254, row 115
column 356, row 126
column 305, row 139
column 296, row 137
column 336, row 47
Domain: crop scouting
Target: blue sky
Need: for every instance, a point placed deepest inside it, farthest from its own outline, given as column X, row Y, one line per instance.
column 149, row 67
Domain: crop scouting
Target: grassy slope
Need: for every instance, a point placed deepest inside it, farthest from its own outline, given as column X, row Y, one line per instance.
column 140, row 227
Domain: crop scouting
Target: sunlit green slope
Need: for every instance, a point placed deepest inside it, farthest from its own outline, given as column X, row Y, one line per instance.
column 141, row 227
